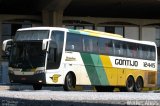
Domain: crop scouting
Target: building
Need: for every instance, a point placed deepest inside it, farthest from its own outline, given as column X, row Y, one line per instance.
column 135, row 19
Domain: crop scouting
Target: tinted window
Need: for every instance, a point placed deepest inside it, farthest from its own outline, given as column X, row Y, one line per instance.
column 32, row 35
column 132, row 50
column 140, row 52
column 55, row 50
column 105, row 46
column 153, row 53
column 90, row 44
column 118, row 48
column 74, row 42
column 150, row 53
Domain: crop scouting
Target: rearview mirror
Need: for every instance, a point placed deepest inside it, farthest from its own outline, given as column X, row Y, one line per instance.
column 6, row 44
column 6, row 47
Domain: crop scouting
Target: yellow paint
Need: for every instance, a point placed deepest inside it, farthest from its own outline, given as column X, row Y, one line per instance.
column 112, row 76
column 106, row 61
column 121, row 77
column 98, row 33
column 111, row 73
column 55, row 78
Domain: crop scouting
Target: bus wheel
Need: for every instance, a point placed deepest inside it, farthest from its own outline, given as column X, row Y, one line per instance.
column 130, row 84
column 70, row 82
column 37, row 86
column 138, row 85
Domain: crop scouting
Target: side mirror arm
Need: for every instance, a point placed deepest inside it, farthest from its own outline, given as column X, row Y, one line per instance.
column 44, row 43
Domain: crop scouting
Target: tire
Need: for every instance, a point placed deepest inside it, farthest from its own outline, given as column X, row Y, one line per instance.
column 138, row 85
column 37, row 86
column 70, row 82
column 130, row 84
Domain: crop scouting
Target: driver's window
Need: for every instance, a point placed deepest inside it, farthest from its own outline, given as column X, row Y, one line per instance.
column 55, row 49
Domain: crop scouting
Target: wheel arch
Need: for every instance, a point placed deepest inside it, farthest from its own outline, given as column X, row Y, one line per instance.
column 130, row 75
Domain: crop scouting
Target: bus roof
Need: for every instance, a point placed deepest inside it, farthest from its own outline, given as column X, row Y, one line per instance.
column 91, row 33
column 43, row 28
column 97, row 33
column 110, row 36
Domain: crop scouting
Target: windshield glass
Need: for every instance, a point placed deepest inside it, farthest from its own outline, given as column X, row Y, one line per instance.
column 32, row 35
column 27, row 55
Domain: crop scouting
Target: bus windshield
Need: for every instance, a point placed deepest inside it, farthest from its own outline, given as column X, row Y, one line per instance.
column 31, row 35
column 27, row 55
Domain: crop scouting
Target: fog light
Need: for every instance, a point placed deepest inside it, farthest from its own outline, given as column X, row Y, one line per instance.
column 40, row 81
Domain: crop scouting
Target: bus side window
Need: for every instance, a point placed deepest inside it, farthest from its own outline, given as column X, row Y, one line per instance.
column 110, row 47
column 134, row 50
column 124, row 45
column 129, row 53
column 102, row 46
column 118, row 50
column 105, row 46
column 90, row 44
column 153, row 54
column 145, row 52
column 140, row 52
column 73, row 42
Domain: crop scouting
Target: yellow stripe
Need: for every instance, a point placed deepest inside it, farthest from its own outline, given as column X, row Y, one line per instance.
column 106, row 61
column 111, row 73
column 99, row 33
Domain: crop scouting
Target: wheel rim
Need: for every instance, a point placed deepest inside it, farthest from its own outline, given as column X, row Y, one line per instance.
column 139, row 84
column 70, row 82
column 130, row 83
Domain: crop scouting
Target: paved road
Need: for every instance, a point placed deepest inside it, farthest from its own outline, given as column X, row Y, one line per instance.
column 77, row 98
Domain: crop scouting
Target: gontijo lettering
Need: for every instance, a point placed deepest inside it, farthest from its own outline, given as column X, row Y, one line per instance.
column 126, row 62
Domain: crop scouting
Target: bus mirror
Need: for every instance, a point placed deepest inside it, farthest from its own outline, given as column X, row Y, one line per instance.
column 6, row 45
column 44, row 44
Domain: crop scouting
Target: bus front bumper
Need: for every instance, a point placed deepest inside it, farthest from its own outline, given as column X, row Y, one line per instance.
column 28, row 79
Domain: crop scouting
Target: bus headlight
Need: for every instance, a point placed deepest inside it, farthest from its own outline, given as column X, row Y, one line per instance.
column 39, row 71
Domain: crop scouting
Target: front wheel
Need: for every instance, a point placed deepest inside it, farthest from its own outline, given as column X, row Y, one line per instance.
column 70, row 82
column 37, row 86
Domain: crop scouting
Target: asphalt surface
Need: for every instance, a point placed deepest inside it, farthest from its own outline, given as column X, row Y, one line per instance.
column 77, row 98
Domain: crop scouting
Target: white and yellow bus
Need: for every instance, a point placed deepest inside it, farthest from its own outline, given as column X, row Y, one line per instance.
column 60, row 56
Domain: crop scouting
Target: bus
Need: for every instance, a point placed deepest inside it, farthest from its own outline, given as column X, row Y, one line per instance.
column 65, row 57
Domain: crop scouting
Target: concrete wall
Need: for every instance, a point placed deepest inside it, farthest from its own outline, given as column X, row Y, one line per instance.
column 131, row 32
column 149, row 33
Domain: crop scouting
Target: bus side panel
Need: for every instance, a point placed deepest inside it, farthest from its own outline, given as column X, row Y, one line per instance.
column 110, row 72
column 150, row 79
column 95, row 69
column 76, row 64
column 121, row 77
